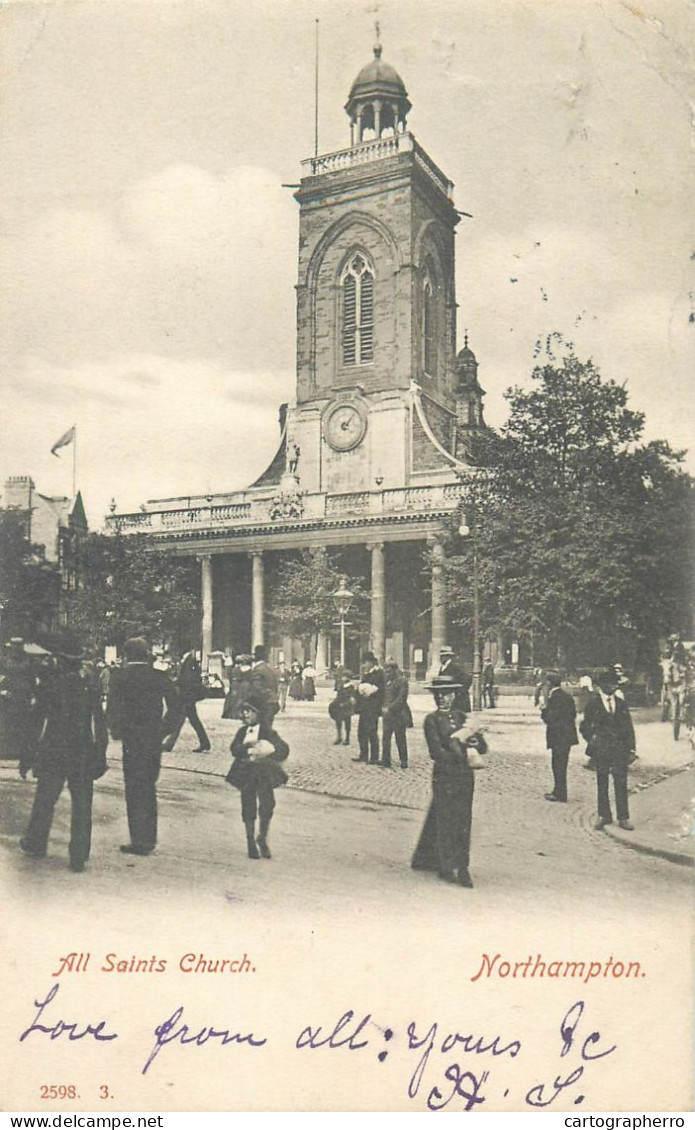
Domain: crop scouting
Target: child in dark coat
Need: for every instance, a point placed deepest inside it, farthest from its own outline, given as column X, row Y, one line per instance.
column 256, row 771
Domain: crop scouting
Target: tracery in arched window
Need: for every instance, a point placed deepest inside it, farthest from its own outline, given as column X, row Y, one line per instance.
column 357, row 287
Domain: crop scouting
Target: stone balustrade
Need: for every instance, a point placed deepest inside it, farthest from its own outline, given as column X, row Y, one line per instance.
column 376, row 150
column 314, row 507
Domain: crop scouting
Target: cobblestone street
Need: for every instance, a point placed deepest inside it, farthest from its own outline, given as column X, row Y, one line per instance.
column 340, row 823
column 517, row 763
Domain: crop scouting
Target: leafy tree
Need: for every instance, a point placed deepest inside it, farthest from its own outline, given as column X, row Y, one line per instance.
column 29, row 585
column 300, row 596
column 129, row 587
column 584, row 533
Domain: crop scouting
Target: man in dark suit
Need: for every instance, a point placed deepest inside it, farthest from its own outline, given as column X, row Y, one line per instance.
column 607, row 727
column 396, row 715
column 370, row 700
column 191, row 690
column 71, row 747
column 142, row 709
column 559, row 715
column 264, row 684
column 450, row 669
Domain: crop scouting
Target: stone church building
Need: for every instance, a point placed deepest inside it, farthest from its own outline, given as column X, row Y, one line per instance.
column 369, row 451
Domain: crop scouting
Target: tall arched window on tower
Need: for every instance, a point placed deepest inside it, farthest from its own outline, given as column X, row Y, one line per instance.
column 429, row 327
column 357, row 287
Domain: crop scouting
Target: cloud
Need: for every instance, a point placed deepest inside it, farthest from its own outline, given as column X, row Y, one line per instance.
column 179, row 427
column 186, row 262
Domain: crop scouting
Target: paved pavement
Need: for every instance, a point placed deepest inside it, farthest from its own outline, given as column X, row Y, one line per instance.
column 662, row 780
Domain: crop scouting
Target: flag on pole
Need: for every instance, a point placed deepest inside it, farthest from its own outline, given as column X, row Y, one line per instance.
column 63, row 441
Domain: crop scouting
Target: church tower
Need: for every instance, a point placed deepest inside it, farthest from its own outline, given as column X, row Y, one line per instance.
column 376, row 306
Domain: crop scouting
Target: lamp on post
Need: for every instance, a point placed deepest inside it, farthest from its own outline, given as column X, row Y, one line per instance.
column 476, row 687
column 342, row 598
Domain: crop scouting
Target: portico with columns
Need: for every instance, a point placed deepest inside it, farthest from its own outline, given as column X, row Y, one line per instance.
column 369, row 454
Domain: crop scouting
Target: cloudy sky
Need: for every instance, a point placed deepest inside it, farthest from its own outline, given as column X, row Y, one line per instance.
column 148, row 255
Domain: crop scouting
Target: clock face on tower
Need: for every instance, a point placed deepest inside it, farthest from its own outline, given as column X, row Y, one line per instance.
column 344, row 426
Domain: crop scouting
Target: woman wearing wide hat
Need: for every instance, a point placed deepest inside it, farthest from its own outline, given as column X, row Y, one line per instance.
column 444, row 844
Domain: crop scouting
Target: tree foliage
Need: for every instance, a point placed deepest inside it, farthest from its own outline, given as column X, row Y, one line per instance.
column 29, row 585
column 584, row 532
column 129, row 587
column 301, row 595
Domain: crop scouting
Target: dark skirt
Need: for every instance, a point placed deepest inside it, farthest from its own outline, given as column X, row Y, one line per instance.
column 244, row 773
column 295, row 688
column 445, row 840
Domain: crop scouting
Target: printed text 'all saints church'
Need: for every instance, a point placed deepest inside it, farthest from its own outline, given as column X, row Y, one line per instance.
column 369, row 452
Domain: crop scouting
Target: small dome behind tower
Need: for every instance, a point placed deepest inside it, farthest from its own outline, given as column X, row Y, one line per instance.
column 469, row 394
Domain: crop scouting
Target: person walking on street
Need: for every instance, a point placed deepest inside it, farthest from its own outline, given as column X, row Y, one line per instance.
column 18, row 687
column 256, row 772
column 396, row 715
column 264, row 684
column 191, row 691
column 608, row 730
column 559, row 715
column 342, row 707
column 370, row 700
column 308, row 682
column 451, row 669
column 488, row 684
column 142, row 709
column 239, row 686
column 71, row 747
column 283, row 683
column 445, row 841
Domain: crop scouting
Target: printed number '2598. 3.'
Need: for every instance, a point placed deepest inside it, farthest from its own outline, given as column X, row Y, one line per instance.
column 59, row 1091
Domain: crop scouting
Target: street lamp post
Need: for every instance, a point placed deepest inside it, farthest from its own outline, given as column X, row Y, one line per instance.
column 342, row 599
column 476, row 688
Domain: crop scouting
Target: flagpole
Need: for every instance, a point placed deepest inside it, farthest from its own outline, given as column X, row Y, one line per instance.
column 316, row 93
column 74, row 462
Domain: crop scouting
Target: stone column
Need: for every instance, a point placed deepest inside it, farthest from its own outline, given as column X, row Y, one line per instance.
column 438, row 638
column 257, row 599
column 321, row 652
column 206, row 600
column 287, row 649
column 378, row 621
column 377, row 117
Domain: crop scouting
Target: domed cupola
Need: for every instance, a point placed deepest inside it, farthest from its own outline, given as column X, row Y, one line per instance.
column 469, row 394
column 378, row 101
column 466, row 366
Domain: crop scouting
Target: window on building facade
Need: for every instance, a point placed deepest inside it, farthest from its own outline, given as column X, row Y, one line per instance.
column 429, row 328
column 358, row 311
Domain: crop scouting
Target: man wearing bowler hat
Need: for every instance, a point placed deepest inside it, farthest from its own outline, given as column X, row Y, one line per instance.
column 607, row 727
column 450, row 669
column 142, row 709
column 71, row 747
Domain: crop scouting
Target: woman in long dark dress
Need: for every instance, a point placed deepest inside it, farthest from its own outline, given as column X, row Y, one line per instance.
column 295, row 685
column 445, row 840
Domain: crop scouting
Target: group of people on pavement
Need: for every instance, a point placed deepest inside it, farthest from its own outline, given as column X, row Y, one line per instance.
column 145, row 712
column 610, row 736
column 380, row 694
column 67, row 740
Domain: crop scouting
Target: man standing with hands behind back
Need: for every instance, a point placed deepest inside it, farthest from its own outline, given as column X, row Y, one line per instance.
column 136, row 715
column 559, row 714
